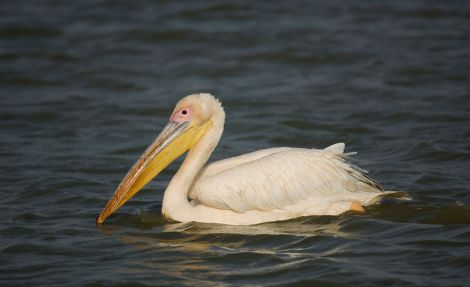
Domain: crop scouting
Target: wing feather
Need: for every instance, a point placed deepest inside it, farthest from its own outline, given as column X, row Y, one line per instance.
column 228, row 163
column 278, row 178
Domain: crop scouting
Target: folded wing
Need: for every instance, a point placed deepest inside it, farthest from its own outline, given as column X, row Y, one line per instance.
column 275, row 179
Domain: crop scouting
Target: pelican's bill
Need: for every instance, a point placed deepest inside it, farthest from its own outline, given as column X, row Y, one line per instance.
column 175, row 139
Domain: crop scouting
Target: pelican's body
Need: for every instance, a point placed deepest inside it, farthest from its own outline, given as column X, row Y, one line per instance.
column 266, row 185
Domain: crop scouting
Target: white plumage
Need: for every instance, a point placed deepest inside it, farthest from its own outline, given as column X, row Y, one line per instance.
column 287, row 182
column 266, row 185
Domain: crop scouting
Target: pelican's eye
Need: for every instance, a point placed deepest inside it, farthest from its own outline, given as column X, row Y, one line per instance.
column 182, row 115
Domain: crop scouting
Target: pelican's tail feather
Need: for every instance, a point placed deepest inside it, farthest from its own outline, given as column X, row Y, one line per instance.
column 337, row 148
column 400, row 195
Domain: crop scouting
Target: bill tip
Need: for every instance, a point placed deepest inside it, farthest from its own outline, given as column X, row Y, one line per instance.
column 99, row 220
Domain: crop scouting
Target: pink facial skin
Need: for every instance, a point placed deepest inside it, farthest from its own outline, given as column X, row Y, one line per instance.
column 181, row 115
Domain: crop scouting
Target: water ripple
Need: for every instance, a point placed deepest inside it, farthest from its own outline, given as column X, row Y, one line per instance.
column 85, row 86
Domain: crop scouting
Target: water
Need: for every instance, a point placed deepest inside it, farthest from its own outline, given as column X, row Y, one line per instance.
column 85, row 86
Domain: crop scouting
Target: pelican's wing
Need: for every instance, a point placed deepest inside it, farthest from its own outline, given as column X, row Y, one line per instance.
column 222, row 165
column 281, row 179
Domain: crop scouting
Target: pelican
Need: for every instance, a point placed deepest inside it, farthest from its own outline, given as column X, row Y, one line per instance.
column 267, row 185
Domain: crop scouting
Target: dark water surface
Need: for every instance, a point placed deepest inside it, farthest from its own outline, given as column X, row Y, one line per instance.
column 85, row 86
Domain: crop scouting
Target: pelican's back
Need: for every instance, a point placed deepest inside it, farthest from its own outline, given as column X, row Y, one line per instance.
column 283, row 179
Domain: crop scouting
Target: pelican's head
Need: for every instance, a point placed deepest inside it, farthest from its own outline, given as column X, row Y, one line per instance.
column 191, row 119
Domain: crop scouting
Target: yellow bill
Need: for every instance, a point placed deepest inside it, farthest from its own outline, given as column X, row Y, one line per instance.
column 175, row 139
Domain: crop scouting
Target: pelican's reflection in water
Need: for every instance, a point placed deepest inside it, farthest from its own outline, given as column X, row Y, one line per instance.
column 194, row 250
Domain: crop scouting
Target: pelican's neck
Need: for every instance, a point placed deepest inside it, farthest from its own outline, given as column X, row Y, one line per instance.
column 176, row 195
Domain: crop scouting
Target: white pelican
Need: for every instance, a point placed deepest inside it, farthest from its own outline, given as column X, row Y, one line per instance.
column 266, row 185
